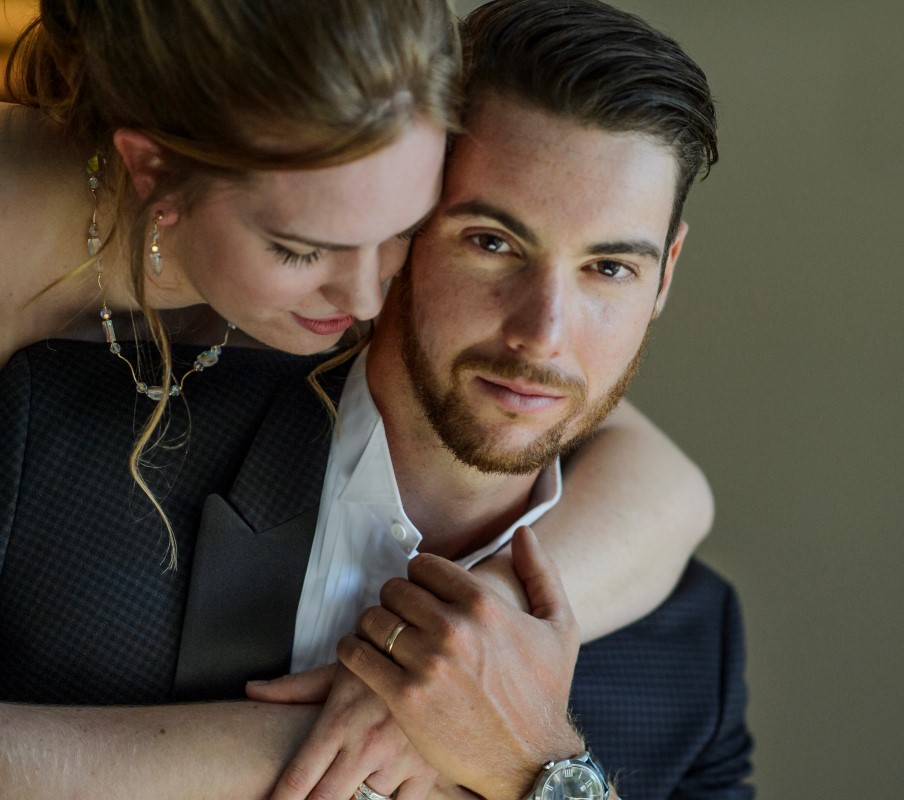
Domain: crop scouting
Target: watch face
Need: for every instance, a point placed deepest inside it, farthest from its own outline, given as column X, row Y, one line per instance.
column 573, row 781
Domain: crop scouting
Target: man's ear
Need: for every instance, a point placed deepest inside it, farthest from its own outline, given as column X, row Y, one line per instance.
column 144, row 161
column 669, row 269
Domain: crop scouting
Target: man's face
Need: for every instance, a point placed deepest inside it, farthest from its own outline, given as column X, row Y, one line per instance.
column 530, row 291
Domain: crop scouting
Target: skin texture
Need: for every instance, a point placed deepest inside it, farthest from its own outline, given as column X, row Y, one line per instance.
column 235, row 749
column 472, row 657
column 559, row 286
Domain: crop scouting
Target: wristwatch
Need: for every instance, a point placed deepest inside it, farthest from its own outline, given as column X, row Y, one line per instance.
column 578, row 778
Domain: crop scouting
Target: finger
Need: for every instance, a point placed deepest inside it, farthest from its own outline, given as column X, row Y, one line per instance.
column 312, row 686
column 441, row 577
column 377, row 625
column 337, row 780
column 372, row 666
column 313, row 759
column 416, row 788
column 541, row 580
column 412, row 603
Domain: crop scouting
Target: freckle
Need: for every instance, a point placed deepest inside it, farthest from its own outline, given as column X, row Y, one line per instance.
column 163, row 731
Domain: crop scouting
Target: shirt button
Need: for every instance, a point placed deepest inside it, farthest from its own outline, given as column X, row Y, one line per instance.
column 398, row 531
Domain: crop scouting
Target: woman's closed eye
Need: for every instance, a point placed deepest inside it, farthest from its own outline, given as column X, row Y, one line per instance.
column 407, row 236
column 292, row 258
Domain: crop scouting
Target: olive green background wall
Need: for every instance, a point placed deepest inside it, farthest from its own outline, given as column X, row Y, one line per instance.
column 778, row 366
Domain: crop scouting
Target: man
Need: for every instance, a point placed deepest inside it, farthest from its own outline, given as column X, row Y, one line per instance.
column 517, row 326
column 514, row 331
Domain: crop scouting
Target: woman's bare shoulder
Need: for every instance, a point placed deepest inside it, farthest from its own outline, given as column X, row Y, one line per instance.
column 34, row 149
column 42, row 199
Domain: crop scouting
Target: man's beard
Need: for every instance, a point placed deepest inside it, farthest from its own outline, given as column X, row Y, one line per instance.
column 462, row 433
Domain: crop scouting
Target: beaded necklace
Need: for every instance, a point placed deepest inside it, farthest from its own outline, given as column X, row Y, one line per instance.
column 208, row 358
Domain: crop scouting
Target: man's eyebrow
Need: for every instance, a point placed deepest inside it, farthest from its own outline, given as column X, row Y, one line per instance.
column 478, row 208
column 637, row 248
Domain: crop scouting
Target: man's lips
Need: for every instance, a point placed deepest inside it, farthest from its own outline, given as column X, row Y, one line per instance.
column 328, row 326
column 520, row 395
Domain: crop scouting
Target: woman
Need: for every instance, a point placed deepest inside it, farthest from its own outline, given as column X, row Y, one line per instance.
column 254, row 170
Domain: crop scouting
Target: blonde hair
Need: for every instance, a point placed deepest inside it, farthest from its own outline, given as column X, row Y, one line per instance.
column 228, row 87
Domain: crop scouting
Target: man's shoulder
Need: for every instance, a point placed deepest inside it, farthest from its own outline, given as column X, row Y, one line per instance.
column 662, row 698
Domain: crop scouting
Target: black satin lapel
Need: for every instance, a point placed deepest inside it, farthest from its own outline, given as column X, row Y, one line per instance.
column 282, row 474
column 253, row 547
column 242, row 602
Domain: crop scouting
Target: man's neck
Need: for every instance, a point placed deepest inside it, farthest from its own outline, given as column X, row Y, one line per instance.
column 457, row 508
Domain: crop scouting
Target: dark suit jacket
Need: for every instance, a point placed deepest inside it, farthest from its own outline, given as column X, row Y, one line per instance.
column 88, row 614
column 662, row 702
column 88, row 611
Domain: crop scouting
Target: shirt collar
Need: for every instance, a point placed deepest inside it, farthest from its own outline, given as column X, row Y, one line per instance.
column 362, row 449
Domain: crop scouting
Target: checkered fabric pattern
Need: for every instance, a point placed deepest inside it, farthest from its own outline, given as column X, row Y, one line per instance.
column 661, row 703
column 88, row 612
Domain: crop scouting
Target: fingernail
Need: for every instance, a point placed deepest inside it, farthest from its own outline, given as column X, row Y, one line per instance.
column 256, row 683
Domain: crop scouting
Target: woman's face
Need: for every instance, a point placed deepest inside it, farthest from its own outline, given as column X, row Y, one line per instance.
column 294, row 257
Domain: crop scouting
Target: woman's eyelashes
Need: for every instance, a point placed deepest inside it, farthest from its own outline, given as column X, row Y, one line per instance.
column 292, row 258
column 407, row 236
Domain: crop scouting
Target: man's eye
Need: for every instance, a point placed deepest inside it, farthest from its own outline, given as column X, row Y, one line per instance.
column 612, row 269
column 491, row 243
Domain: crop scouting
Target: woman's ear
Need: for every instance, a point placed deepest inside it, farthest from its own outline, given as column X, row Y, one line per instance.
column 144, row 160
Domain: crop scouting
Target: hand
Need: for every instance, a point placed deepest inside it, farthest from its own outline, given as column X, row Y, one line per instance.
column 353, row 740
column 480, row 687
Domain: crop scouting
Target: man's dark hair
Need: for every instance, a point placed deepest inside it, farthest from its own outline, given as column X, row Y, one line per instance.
column 597, row 65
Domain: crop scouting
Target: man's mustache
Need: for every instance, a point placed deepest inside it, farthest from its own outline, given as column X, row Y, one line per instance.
column 514, row 368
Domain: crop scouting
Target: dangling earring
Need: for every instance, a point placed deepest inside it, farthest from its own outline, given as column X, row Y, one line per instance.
column 95, row 171
column 156, row 263
column 205, row 360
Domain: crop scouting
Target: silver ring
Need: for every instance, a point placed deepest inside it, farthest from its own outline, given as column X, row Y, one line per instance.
column 390, row 640
column 364, row 792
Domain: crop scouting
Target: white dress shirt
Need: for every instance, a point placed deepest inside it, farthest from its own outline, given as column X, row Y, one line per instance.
column 363, row 535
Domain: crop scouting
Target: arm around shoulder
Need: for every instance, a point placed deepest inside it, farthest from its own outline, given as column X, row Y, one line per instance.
column 633, row 509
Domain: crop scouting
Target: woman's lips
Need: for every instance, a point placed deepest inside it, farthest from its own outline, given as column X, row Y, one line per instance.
column 328, row 326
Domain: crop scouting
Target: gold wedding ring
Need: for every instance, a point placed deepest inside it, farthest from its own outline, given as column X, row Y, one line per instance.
column 390, row 640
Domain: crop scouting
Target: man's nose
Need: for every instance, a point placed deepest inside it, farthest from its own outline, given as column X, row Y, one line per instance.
column 355, row 286
column 536, row 323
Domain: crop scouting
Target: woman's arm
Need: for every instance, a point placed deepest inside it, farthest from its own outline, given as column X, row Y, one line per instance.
column 228, row 751
column 633, row 509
